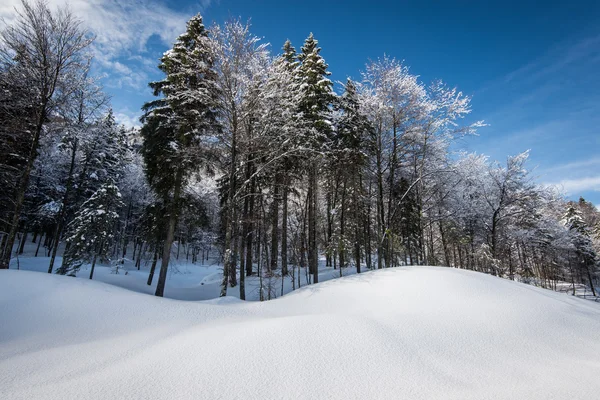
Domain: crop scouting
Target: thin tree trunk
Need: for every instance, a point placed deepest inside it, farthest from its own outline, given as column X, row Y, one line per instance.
column 313, row 256
column 284, row 229
column 23, row 239
column 274, row 225
column 153, row 267
column 250, row 225
column 37, row 249
column 173, row 214
column 63, row 209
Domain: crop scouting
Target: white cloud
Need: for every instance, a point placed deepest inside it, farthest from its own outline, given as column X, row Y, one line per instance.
column 128, row 118
column 578, row 185
column 575, row 165
column 122, row 29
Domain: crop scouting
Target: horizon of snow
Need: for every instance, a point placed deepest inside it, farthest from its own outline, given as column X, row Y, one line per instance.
column 415, row 332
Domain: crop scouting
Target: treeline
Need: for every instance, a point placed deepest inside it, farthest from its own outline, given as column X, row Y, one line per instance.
column 365, row 178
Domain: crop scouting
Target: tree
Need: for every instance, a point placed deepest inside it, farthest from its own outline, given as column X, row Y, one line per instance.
column 84, row 105
column 45, row 50
column 92, row 230
column 317, row 96
column 352, row 145
column 586, row 256
column 178, row 127
column 240, row 62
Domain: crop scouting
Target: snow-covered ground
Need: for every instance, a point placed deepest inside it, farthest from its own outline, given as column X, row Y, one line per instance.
column 414, row 332
column 185, row 280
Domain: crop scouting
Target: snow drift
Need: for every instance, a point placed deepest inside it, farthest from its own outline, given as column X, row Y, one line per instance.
column 414, row 333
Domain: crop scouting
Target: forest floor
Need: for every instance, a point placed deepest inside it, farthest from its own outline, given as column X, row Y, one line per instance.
column 412, row 332
column 202, row 280
column 185, row 280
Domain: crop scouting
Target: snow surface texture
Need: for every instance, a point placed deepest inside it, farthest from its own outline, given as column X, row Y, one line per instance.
column 413, row 333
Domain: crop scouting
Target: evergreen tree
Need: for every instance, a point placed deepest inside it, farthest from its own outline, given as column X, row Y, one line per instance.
column 105, row 155
column 586, row 256
column 176, row 126
column 352, row 144
column 92, row 230
column 316, row 98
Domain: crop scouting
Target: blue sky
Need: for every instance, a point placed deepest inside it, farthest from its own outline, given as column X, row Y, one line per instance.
column 532, row 68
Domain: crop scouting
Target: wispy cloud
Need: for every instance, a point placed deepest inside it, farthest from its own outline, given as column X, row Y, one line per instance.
column 550, row 105
column 556, row 59
column 127, row 117
column 564, row 74
column 577, row 186
column 575, row 165
column 574, row 178
column 122, row 30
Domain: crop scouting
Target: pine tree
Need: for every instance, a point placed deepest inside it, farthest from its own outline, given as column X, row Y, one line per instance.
column 105, row 155
column 586, row 255
column 92, row 230
column 352, row 144
column 290, row 90
column 317, row 96
column 176, row 126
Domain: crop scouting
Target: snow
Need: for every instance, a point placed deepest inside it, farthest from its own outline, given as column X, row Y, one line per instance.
column 412, row 332
column 185, row 281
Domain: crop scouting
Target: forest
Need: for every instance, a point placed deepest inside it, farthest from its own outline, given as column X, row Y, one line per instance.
column 258, row 155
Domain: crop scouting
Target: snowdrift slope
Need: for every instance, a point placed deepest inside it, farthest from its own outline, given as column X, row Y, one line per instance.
column 413, row 333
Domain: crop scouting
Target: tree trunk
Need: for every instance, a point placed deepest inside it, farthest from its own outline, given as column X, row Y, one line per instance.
column 342, row 246
column 23, row 239
column 173, row 214
column 591, row 281
column 380, row 202
column 63, row 210
column 153, row 267
column 37, row 249
column 249, row 237
column 284, row 229
column 22, row 188
column 274, row 225
column 313, row 256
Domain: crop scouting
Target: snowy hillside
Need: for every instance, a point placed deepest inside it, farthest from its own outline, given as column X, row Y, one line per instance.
column 416, row 333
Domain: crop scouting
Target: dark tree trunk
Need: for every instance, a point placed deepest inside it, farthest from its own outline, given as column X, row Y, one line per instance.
column 153, row 267
column 22, row 188
column 274, row 226
column 342, row 246
column 284, row 229
column 250, row 224
column 37, row 249
column 23, row 239
column 173, row 214
column 63, row 210
column 313, row 256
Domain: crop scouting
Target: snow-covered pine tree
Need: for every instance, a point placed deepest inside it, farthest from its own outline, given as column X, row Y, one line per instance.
column 586, row 256
column 92, row 230
column 103, row 152
column 317, row 96
column 352, row 144
column 177, row 125
column 91, row 147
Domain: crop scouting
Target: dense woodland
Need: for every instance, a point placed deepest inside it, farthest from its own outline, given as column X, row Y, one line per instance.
column 267, row 160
